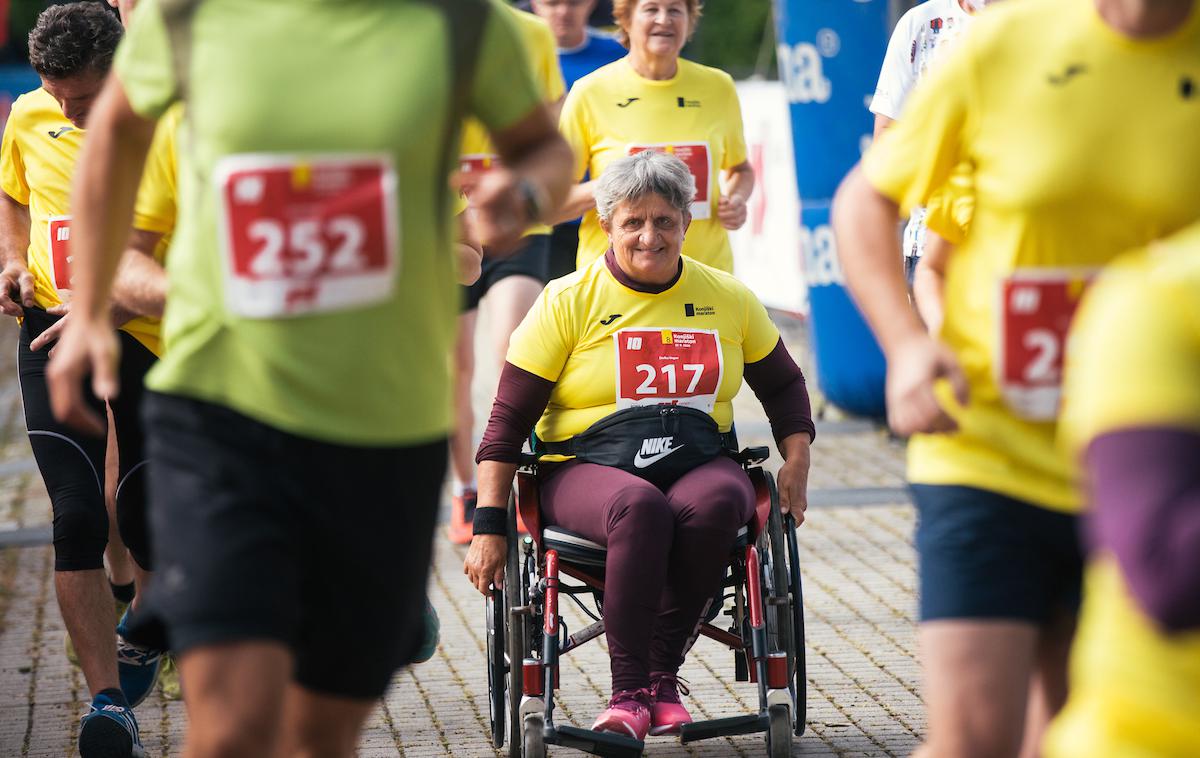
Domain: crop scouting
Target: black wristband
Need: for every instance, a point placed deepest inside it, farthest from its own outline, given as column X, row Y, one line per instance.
column 490, row 521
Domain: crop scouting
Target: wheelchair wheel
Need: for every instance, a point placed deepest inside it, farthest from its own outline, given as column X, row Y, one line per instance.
column 779, row 732
column 797, row 593
column 532, row 739
column 779, row 617
column 515, row 596
column 494, row 605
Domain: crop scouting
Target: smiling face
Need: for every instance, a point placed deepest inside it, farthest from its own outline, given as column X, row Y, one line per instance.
column 75, row 94
column 646, row 235
column 659, row 27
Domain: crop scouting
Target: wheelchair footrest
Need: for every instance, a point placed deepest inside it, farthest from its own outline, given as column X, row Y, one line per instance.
column 597, row 743
column 727, row 727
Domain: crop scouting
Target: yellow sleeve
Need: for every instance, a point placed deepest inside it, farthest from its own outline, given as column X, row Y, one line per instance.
column 144, row 64
column 735, row 138
column 919, row 153
column 156, row 199
column 573, row 123
column 1134, row 354
column 503, row 90
column 761, row 333
column 951, row 207
column 12, row 166
column 544, row 340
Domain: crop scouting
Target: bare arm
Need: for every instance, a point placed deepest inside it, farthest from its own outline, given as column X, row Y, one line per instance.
column 864, row 221
column 532, row 150
column 105, row 187
column 930, row 278
column 141, row 281
column 16, row 283
column 581, row 198
column 881, row 122
column 737, row 183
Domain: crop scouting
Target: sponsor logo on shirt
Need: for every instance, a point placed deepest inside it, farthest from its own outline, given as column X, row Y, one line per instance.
column 690, row 309
column 1187, row 88
column 1069, row 73
column 60, row 132
column 628, row 102
column 936, row 25
column 610, row 319
column 683, row 102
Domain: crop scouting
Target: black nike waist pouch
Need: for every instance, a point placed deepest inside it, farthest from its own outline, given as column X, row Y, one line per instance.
column 659, row 443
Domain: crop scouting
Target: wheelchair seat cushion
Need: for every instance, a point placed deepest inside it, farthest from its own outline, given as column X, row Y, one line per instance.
column 575, row 548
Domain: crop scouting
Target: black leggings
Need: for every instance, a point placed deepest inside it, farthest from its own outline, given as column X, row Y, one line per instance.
column 72, row 462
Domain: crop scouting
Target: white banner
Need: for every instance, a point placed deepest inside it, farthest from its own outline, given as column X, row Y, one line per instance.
column 767, row 252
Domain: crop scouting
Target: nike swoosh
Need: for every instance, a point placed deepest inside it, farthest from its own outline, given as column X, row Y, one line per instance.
column 640, row 462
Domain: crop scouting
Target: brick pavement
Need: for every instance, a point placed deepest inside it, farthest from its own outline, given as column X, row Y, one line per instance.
column 859, row 573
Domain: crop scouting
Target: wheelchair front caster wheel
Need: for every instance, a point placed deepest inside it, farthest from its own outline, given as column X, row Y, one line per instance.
column 779, row 733
column 532, row 739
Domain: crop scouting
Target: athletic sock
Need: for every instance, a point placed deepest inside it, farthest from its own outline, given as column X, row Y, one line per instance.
column 116, row 696
column 123, row 592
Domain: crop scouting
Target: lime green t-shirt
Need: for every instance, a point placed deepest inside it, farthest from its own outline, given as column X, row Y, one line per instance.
column 312, row 280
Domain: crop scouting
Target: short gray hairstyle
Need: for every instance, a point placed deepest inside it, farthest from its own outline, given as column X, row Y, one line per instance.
column 641, row 174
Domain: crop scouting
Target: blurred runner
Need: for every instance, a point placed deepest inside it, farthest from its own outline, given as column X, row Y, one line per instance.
column 297, row 425
column 920, row 39
column 581, row 50
column 1135, row 669
column 71, row 48
column 1065, row 180
column 654, row 100
column 509, row 282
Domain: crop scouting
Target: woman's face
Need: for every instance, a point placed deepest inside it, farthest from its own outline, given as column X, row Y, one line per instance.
column 646, row 235
column 659, row 27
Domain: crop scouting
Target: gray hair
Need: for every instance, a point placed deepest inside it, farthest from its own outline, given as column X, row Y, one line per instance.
column 641, row 174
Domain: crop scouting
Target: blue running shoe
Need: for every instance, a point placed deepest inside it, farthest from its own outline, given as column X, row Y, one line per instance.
column 137, row 666
column 109, row 730
column 433, row 631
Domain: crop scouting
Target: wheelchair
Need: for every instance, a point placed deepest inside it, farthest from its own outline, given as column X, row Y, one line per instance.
column 526, row 636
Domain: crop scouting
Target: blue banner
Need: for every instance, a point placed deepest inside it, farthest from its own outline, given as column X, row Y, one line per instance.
column 830, row 52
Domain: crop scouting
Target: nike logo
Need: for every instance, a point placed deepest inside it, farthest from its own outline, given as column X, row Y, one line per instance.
column 1072, row 71
column 610, row 319
column 61, row 132
column 627, row 103
column 654, row 450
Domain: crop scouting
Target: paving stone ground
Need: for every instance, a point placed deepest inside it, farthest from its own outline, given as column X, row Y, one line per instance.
column 860, row 589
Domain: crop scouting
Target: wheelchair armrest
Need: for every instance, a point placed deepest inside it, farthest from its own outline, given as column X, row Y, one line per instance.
column 752, row 456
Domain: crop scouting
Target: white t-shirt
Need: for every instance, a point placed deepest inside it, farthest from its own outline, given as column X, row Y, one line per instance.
column 917, row 42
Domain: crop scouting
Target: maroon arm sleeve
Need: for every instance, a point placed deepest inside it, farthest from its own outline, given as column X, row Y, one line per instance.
column 1145, row 490
column 520, row 400
column 779, row 385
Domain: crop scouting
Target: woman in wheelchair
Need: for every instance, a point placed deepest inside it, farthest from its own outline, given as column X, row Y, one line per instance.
column 628, row 368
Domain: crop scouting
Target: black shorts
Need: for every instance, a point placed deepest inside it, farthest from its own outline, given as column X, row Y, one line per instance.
column 984, row 555
column 530, row 260
column 264, row 535
column 564, row 247
column 71, row 462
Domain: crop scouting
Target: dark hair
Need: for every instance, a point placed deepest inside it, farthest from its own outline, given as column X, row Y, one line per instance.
column 73, row 39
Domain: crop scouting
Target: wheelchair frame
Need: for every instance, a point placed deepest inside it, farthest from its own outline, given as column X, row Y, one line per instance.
column 526, row 636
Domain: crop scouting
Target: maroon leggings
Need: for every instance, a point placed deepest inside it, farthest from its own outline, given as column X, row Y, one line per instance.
column 667, row 553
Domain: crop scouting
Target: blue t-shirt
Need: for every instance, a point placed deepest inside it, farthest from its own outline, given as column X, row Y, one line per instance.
column 599, row 50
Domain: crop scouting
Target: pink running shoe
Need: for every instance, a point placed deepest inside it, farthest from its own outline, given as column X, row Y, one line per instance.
column 667, row 714
column 628, row 714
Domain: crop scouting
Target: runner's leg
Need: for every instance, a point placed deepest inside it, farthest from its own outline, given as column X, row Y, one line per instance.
column 321, row 726
column 116, row 555
column 1048, row 690
column 507, row 302
column 234, row 698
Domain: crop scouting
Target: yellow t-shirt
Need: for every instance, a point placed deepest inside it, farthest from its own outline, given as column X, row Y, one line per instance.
column 1064, row 181
column 607, row 347
column 695, row 115
column 1133, row 363
column 37, row 162
column 478, row 153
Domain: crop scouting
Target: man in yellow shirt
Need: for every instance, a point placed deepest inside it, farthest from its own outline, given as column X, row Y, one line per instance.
column 509, row 282
column 1033, row 102
column 42, row 140
column 1135, row 667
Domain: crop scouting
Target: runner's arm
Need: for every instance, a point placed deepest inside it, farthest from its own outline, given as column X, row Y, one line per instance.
column 140, row 285
column 737, row 182
column 581, row 198
column 882, row 122
column 929, row 279
column 16, row 283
